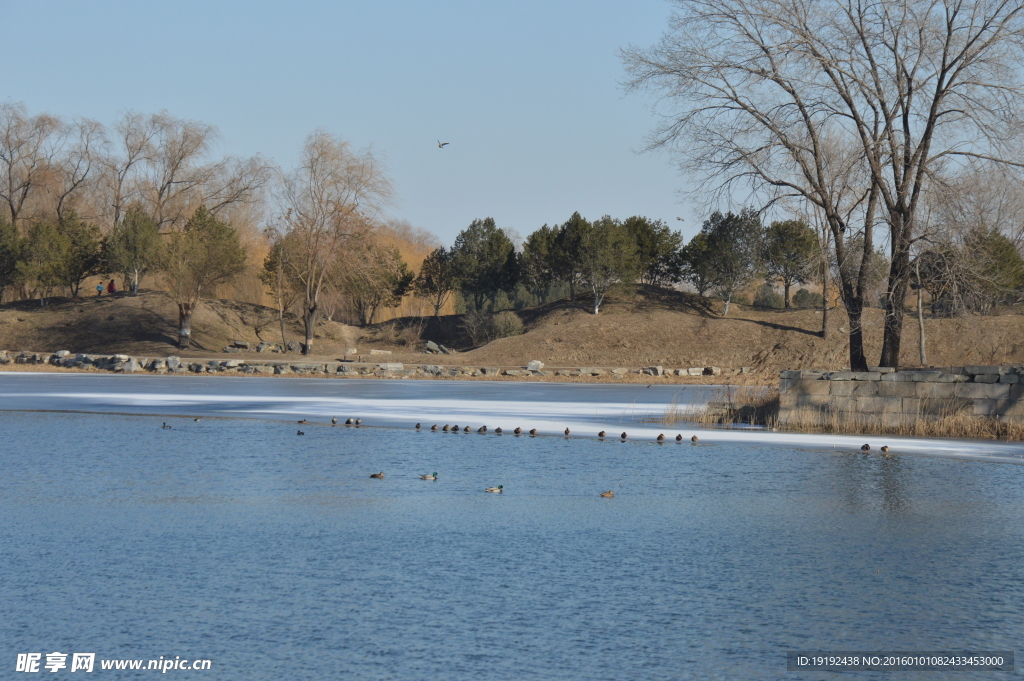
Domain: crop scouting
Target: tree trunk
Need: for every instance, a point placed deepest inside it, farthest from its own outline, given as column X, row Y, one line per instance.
column 184, row 325
column 728, row 299
column 309, row 318
column 824, row 299
column 135, row 282
column 858, row 360
column 785, row 286
column 895, row 299
column 920, row 317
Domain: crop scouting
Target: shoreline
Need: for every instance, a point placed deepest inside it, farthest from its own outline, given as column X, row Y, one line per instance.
column 66, row 362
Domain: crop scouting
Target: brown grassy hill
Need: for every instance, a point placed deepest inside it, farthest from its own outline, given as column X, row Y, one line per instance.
column 649, row 327
column 146, row 324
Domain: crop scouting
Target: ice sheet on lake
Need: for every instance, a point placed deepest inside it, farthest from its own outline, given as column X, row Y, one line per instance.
column 549, row 407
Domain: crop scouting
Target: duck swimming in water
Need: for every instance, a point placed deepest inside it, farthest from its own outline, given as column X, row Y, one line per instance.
column 466, row 429
column 518, row 430
column 567, row 432
column 433, row 427
column 865, row 448
column 693, row 439
column 623, row 436
column 349, row 422
column 379, row 476
column 495, row 490
column 601, row 435
column 661, row 437
column 498, row 431
column 446, row 428
column 165, row 426
column 300, row 433
column 679, row 438
column 417, row 426
column 482, row 429
column 609, row 494
column 429, row 477
column 533, row 431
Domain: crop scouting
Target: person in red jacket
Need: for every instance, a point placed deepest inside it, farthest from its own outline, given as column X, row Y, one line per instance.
column 111, row 287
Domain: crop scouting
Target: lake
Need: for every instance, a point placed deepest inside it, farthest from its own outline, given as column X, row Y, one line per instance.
column 276, row 556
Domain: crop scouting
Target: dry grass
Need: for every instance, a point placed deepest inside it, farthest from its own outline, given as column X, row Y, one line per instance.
column 759, row 406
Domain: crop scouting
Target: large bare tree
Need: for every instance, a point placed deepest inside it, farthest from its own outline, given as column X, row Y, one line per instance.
column 851, row 106
column 28, row 148
column 327, row 203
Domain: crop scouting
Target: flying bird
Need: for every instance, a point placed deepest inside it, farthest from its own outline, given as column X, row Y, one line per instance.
column 441, row 145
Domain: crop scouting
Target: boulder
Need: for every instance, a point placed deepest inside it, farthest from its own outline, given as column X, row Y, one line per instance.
column 433, row 369
column 264, row 346
column 380, row 352
column 433, row 347
column 445, row 351
column 712, row 371
column 241, row 345
column 173, row 362
column 232, row 364
column 695, row 371
column 534, row 365
column 282, row 369
column 232, row 348
column 294, row 346
column 654, row 371
column 197, row 368
column 131, row 366
column 351, row 351
column 490, row 371
column 515, row 372
column 61, row 354
column 391, row 366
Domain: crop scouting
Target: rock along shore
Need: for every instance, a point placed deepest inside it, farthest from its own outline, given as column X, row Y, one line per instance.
column 176, row 365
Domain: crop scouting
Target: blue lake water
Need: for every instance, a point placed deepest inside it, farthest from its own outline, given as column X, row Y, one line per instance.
column 277, row 557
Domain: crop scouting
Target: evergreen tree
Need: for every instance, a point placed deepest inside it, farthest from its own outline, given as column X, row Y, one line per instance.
column 206, row 252
column 485, row 261
column 791, row 250
column 10, row 253
column 734, row 251
column 657, row 249
column 437, row 279
column 134, row 247
column 607, row 257
column 83, row 255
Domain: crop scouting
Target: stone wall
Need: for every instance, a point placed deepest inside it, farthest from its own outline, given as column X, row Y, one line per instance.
column 895, row 398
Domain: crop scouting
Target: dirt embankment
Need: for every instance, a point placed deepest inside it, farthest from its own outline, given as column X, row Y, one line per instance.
column 652, row 327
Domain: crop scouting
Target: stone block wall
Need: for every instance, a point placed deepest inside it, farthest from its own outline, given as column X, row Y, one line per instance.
column 901, row 397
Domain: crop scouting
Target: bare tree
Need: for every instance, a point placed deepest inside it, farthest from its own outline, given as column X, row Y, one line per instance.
column 27, row 151
column 75, row 168
column 327, row 202
column 764, row 93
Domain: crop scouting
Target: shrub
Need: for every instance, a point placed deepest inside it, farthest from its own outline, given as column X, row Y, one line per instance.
column 507, row 324
column 804, row 298
column 767, row 297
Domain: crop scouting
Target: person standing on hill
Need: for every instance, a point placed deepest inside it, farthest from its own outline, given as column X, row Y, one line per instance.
column 111, row 287
column 99, row 289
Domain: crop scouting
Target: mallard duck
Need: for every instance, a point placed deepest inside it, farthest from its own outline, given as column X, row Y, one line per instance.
column 379, row 476
column 334, row 421
column 429, row 477
column 434, row 427
column 466, row 429
column 197, row 419
column 496, row 490
column 567, row 432
column 885, row 448
column 446, row 428
column 417, row 426
column 601, row 435
column 865, row 448
column 518, row 431
column 482, row 429
column 455, row 429
column 623, row 436
column 679, row 438
column 303, row 421
column 693, row 439
column 610, row 493
column 349, row 422
column 498, row 431
column 165, row 426
column 661, row 437
column 533, row 431
column 359, row 422
column 299, row 433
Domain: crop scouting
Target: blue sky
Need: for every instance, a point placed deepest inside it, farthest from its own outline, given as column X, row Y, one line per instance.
column 528, row 94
